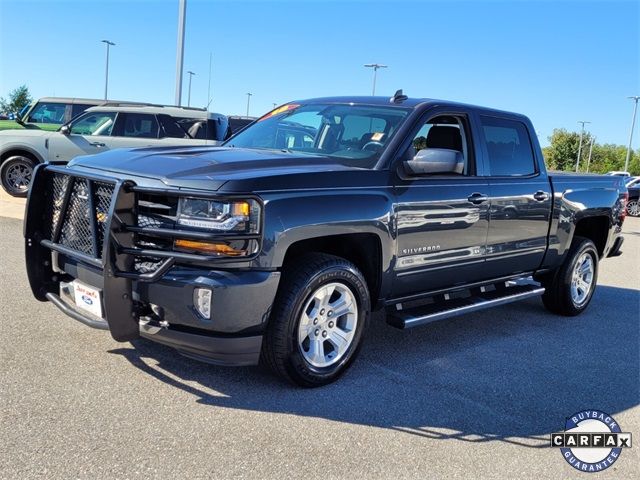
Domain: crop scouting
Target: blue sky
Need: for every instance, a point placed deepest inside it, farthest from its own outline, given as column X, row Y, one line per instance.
column 557, row 62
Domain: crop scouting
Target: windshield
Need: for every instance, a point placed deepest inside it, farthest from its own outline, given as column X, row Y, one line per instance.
column 354, row 134
column 25, row 109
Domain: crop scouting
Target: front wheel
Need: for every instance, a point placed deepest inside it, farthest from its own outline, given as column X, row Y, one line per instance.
column 318, row 321
column 15, row 174
column 570, row 289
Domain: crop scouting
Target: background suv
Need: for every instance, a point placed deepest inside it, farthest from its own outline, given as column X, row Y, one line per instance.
column 111, row 125
column 49, row 113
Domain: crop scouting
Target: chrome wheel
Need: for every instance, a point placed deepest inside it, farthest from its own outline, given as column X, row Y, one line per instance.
column 327, row 324
column 582, row 279
column 633, row 209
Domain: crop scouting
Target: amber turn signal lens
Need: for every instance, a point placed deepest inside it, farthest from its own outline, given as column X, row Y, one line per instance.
column 240, row 209
column 209, row 247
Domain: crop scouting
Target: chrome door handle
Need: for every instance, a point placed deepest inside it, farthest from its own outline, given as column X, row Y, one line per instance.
column 540, row 196
column 98, row 144
column 478, row 198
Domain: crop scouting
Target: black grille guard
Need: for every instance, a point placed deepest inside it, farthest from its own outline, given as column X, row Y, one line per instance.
column 116, row 260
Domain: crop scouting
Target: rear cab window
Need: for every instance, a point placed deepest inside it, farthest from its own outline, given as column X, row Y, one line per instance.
column 509, row 148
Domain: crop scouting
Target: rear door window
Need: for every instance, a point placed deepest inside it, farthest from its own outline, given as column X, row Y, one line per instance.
column 138, row 125
column 508, row 147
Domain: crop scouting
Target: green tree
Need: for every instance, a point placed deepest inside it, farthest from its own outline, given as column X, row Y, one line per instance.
column 610, row 157
column 18, row 98
column 562, row 152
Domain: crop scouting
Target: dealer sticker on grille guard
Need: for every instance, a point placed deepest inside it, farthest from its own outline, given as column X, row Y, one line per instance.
column 87, row 298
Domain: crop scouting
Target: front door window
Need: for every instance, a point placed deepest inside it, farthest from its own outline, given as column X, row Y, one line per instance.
column 94, row 124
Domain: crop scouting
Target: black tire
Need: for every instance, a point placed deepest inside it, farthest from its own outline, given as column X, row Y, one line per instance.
column 633, row 207
column 280, row 349
column 16, row 174
column 557, row 297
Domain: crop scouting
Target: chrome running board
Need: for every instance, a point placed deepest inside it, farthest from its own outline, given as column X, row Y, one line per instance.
column 458, row 306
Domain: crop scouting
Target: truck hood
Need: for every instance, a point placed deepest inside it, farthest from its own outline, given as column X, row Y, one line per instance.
column 205, row 167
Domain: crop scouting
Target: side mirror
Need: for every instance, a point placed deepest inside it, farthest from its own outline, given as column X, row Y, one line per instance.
column 435, row 160
column 65, row 130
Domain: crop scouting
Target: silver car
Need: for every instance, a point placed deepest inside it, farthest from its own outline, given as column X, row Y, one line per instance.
column 109, row 126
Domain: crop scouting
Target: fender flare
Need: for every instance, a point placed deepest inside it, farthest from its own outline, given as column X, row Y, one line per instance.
column 6, row 150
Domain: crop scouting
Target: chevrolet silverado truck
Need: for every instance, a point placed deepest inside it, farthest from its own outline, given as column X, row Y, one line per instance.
column 278, row 245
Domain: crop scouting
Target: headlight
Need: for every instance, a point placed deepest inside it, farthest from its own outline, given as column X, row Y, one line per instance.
column 239, row 216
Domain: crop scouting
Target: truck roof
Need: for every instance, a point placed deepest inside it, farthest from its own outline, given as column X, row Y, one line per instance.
column 409, row 102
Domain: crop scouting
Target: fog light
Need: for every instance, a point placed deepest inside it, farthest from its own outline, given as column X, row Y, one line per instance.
column 202, row 301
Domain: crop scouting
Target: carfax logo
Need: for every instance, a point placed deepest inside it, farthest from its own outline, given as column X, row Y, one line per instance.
column 592, row 441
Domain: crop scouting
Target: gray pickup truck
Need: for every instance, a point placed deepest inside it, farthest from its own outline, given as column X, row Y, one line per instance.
column 277, row 246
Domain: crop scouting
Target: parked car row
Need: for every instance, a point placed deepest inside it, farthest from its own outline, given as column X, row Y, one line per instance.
column 84, row 129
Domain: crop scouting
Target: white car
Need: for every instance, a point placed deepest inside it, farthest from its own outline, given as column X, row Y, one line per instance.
column 618, row 173
column 109, row 126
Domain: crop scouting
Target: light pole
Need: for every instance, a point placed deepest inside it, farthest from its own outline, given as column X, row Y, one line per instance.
column 593, row 139
column 182, row 18
column 106, row 70
column 633, row 124
column 580, row 144
column 191, row 74
column 375, row 67
column 249, row 95
column 209, row 84
column 275, row 105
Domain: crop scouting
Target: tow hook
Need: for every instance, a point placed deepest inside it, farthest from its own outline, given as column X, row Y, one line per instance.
column 152, row 321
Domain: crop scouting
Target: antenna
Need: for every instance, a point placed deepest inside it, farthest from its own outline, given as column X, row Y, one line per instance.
column 209, row 99
column 398, row 97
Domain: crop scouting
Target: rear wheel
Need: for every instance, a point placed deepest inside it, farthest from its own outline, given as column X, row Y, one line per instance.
column 570, row 289
column 16, row 173
column 318, row 321
column 633, row 208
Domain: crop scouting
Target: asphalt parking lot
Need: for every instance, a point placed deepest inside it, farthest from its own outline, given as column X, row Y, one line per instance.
column 471, row 397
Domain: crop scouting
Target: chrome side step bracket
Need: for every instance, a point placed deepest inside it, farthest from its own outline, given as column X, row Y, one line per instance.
column 433, row 312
